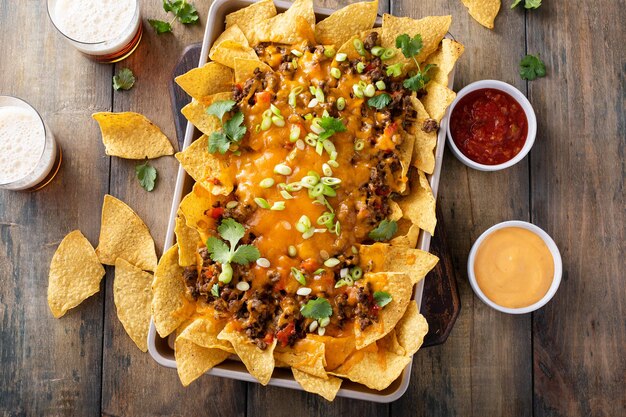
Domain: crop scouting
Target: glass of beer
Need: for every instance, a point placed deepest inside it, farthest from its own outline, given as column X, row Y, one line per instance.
column 105, row 30
column 29, row 155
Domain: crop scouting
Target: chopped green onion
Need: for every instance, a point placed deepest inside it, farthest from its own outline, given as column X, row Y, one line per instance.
column 357, row 90
column 309, row 181
column 329, row 146
column 370, row 90
column 312, row 89
column 319, row 271
column 266, row 123
column 243, row 286
column 341, row 103
column 314, row 174
column 278, row 206
column 232, row 204
column 296, row 52
column 354, row 250
column 331, row 262
column 380, row 84
column 308, row 234
column 294, row 134
column 300, row 144
column 227, row 273
column 328, row 191
column 341, row 283
column 319, row 95
column 358, row 45
column 315, row 127
column 275, row 110
column 326, row 170
column 298, row 275
column 360, row 67
column 297, row 90
column 311, row 139
column 294, row 64
column 359, row 145
column 333, row 163
column 278, row 121
column 377, row 50
column 362, row 84
column 261, row 202
column 318, row 189
column 388, row 54
column 267, row 113
column 324, row 322
column 329, row 52
column 325, row 219
column 356, row 273
column 314, row 102
column 325, row 113
column 303, row 224
column 257, row 128
column 266, row 182
column 293, row 187
column 319, row 147
column 286, row 195
column 308, row 116
column 394, row 70
column 331, row 181
column 333, row 155
column 341, row 57
column 282, row 169
column 292, row 100
column 292, row 251
column 335, row 73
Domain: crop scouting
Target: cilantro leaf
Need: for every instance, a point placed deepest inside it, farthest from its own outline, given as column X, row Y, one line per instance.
column 146, row 175
column 233, row 128
column 515, row 3
column 218, row 142
column 317, row 309
column 218, row 249
column 331, row 125
column 220, row 108
column 160, row 26
column 528, row 4
column 246, row 254
column 382, row 298
column 187, row 14
column 531, row 67
column 215, row 290
column 379, row 101
column 394, row 70
column 124, row 80
column 172, row 6
column 419, row 80
column 384, row 231
column 231, row 231
column 409, row 47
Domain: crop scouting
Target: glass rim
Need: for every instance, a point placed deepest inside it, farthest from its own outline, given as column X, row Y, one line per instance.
column 90, row 43
column 45, row 135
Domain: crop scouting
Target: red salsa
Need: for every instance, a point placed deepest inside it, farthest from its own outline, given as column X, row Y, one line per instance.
column 489, row 126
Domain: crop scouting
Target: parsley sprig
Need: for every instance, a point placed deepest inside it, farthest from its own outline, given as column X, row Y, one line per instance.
column 384, row 231
column 220, row 252
column 185, row 12
column 411, row 47
column 232, row 131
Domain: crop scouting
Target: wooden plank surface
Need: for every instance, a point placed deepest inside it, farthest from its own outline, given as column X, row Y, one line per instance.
column 578, row 176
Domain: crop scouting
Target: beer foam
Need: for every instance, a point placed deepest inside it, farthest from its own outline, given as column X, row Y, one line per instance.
column 92, row 21
column 22, row 141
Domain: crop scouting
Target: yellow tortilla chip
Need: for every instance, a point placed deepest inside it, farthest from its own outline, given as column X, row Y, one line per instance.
column 283, row 28
column 133, row 296
column 194, row 206
column 187, row 239
column 326, row 388
column 124, row 235
column 75, row 274
column 132, row 136
column 419, row 205
column 348, row 46
column 400, row 287
column 483, row 11
column 340, row 26
column 196, row 113
column 307, row 355
column 248, row 17
column 207, row 169
column 336, row 349
column 381, row 257
column 432, row 29
column 411, row 329
column 209, row 79
column 226, row 51
column 425, row 142
column 260, row 363
column 170, row 307
column 407, row 234
column 390, row 342
column 406, row 154
column 437, row 100
column 203, row 332
column 244, row 69
column 192, row 361
column 444, row 58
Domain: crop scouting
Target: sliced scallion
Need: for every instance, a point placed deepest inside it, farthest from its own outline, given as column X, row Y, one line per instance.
column 261, row 202
column 266, row 182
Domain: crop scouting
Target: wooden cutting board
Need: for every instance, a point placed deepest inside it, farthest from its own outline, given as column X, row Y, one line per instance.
column 440, row 300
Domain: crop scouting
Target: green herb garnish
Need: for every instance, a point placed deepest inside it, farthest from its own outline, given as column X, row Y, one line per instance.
column 317, row 309
column 215, row 290
column 124, row 80
column 384, row 231
column 220, row 108
column 185, row 12
column 531, row 67
column 410, row 48
column 382, row 298
column 146, row 175
column 232, row 131
column 160, row 26
column 331, row 125
column 379, row 101
column 528, row 4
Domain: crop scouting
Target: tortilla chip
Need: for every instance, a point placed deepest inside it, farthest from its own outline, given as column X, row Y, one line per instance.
column 307, row 355
column 374, row 369
column 124, row 235
column 432, row 29
column 483, row 11
column 248, row 17
column 444, row 58
column 340, row 26
column 133, row 296
column 132, row 136
column 194, row 207
column 437, row 100
column 326, row 388
column 396, row 211
column 406, row 154
column 400, row 287
column 226, row 52
column 425, row 143
column 187, row 239
column 411, row 329
column 381, row 257
column 348, row 46
column 192, row 361
column 75, row 274
column 211, row 78
column 170, row 307
column 283, row 28
column 203, row 332
column 196, row 113
column 407, row 234
column 231, row 33
column 260, row 363
column 336, row 349
column 207, row 169
column 244, row 69
column 390, row 342
column 419, row 205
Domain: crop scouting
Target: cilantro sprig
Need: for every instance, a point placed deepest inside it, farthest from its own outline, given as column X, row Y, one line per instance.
column 379, row 101
column 147, row 175
column 384, row 231
column 220, row 252
column 317, row 309
column 331, row 125
column 186, row 14
column 528, row 4
column 411, row 47
column 124, row 79
column 232, row 131
column 382, row 298
column 532, row 67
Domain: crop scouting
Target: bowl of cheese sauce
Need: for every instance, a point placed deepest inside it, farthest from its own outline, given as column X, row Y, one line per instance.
column 515, row 267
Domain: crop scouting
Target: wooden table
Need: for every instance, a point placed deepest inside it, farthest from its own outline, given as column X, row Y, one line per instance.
column 568, row 359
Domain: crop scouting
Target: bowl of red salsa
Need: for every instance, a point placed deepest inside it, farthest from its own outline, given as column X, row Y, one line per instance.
column 491, row 125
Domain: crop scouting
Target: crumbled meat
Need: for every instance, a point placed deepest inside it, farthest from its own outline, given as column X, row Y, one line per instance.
column 371, row 40
column 430, row 125
column 240, row 212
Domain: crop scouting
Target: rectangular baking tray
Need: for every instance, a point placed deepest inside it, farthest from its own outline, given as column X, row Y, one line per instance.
column 162, row 349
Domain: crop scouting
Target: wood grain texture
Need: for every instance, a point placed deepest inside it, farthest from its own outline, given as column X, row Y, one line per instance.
column 485, row 366
column 578, row 198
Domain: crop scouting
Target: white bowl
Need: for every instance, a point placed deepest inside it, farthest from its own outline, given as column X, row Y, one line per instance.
column 556, row 256
column 530, row 117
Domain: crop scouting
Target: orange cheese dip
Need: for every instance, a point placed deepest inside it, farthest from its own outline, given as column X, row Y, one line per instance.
column 514, row 267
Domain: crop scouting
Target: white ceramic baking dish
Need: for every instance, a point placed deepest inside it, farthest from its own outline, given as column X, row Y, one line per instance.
column 161, row 349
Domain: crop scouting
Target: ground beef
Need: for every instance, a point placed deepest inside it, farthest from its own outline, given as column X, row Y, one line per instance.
column 240, row 212
column 366, row 310
column 371, row 40
column 430, row 125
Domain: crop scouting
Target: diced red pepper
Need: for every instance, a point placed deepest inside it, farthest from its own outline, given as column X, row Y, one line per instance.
column 216, row 212
column 263, row 97
column 391, row 129
column 269, row 338
column 283, row 334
